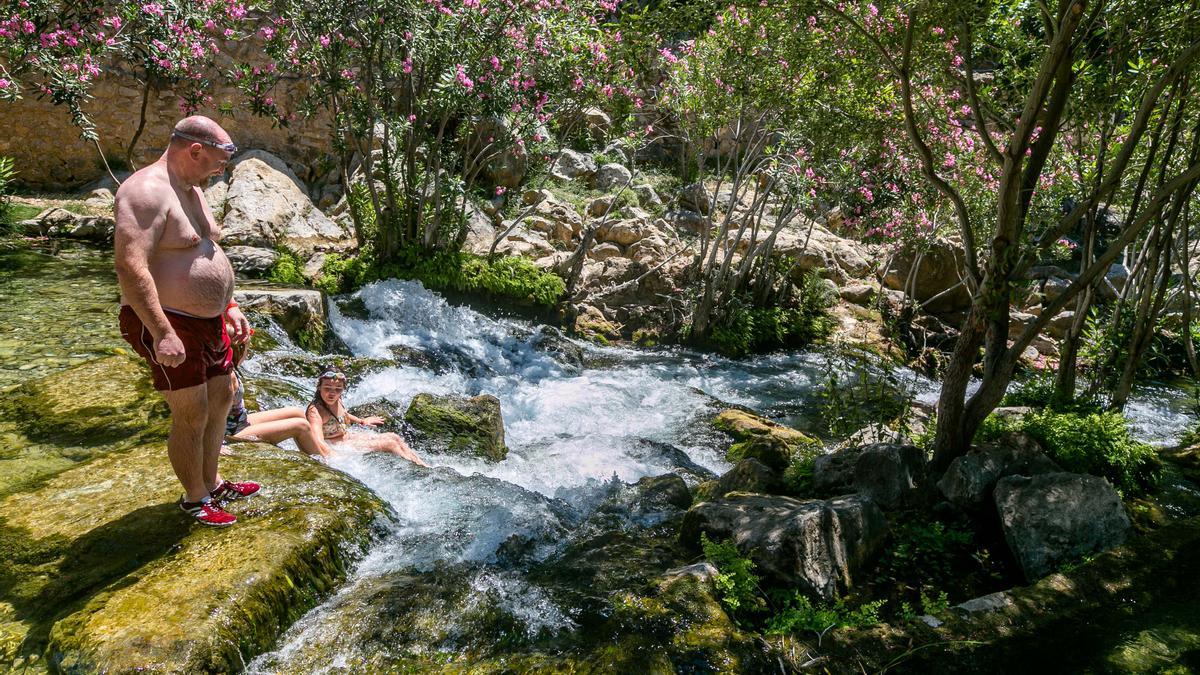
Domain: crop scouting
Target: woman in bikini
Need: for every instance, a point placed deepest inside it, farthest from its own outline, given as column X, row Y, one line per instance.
column 328, row 417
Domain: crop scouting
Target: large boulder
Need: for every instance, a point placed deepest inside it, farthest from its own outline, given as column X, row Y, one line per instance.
column 267, row 206
column 1054, row 518
column 938, row 268
column 811, row 246
column 299, row 311
column 570, row 165
column 459, row 425
column 504, row 161
column 970, row 479
column 102, row 573
column 611, row 177
column 748, row 475
column 251, row 261
column 889, row 473
column 769, row 442
column 819, row 546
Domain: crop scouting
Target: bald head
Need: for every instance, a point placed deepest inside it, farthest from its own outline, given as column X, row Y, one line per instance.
column 199, row 128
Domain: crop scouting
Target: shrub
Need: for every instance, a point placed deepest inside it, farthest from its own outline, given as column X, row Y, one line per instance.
column 507, row 277
column 925, row 550
column 287, row 269
column 744, row 329
column 797, row 477
column 7, row 174
column 1039, row 392
column 737, row 584
column 800, row 614
column 1096, row 443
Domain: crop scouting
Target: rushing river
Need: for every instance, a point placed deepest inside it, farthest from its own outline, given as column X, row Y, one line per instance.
column 581, row 422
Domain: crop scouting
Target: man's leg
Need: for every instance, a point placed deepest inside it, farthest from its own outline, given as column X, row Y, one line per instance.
column 185, row 445
column 219, row 400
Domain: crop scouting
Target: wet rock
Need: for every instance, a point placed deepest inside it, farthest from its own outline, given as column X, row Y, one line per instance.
column 106, row 401
column 889, row 473
column 57, row 222
column 251, row 261
column 611, row 177
column 771, row 443
column 101, row 578
column 564, row 351
column 268, row 206
column 1055, row 518
column 748, row 475
column 299, row 311
column 970, row 479
column 656, row 451
column 819, row 546
column 459, row 425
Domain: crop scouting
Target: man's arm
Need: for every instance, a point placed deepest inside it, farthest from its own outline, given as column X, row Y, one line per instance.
column 140, row 222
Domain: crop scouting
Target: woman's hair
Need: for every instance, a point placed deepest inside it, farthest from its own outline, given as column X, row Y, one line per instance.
column 330, row 372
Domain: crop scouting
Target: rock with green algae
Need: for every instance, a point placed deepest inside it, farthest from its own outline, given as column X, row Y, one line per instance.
column 104, row 574
column 460, row 425
column 54, row 422
column 756, row 437
column 629, row 614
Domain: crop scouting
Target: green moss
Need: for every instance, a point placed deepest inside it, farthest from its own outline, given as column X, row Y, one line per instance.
column 312, row 338
column 96, row 582
column 470, row 426
column 505, row 277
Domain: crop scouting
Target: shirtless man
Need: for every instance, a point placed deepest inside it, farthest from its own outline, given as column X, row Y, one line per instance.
column 176, row 292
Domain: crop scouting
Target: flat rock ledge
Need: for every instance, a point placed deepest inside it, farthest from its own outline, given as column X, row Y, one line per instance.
column 103, row 573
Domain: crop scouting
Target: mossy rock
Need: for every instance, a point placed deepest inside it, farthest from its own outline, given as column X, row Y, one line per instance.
column 52, row 423
column 459, row 425
column 98, row 402
column 759, row 438
column 103, row 572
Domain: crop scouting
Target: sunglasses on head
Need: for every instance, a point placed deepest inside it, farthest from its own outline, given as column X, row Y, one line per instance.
column 332, row 375
column 227, row 147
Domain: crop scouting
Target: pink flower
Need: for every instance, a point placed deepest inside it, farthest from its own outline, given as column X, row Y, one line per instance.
column 324, row 40
column 153, row 8
column 500, row 189
column 4, row 83
column 460, row 75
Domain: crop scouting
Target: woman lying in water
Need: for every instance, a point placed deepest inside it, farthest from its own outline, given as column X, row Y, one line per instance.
column 328, row 417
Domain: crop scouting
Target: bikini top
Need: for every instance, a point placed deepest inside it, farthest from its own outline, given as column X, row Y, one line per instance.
column 334, row 426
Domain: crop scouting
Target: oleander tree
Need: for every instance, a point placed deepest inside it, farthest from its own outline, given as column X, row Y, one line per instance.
column 59, row 49
column 1028, row 76
column 424, row 97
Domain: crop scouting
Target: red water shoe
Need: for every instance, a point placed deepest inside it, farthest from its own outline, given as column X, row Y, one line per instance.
column 229, row 491
column 207, row 512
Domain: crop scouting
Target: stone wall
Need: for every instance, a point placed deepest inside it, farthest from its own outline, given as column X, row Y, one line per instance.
column 50, row 155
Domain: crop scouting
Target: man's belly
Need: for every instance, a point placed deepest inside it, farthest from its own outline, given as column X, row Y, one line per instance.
column 198, row 281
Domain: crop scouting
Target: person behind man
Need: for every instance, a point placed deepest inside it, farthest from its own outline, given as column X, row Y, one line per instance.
column 176, row 292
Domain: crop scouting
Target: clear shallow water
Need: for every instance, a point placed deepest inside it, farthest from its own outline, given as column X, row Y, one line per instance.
column 59, row 305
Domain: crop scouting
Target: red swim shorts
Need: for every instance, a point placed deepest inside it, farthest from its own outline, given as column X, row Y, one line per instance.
column 207, row 352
